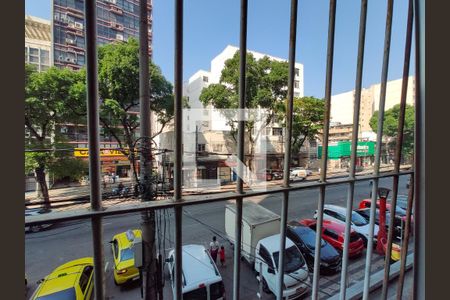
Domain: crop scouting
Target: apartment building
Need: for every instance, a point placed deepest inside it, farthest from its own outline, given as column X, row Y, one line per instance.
column 117, row 20
column 214, row 139
column 342, row 104
column 38, row 42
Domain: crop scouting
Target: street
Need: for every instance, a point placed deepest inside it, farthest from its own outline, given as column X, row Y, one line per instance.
column 48, row 249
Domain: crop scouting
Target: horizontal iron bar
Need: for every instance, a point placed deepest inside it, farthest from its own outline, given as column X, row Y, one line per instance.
column 125, row 209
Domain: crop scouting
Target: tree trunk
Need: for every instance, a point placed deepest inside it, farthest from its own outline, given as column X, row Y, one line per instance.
column 40, row 177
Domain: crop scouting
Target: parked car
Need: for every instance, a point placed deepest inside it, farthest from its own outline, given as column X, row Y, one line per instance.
column 358, row 222
column 72, row 280
column 277, row 174
column 123, row 255
column 298, row 172
column 36, row 212
column 398, row 221
column 399, row 211
column 334, row 232
column 265, row 174
column 201, row 278
column 305, row 239
column 296, row 278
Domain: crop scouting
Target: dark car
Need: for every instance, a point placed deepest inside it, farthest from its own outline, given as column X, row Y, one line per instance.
column 398, row 221
column 36, row 212
column 305, row 239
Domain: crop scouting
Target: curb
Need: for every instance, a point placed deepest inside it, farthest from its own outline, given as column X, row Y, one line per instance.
column 376, row 280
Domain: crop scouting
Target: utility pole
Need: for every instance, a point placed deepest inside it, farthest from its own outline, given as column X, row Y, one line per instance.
column 147, row 217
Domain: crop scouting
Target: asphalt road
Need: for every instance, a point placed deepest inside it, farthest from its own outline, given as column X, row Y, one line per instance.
column 48, row 249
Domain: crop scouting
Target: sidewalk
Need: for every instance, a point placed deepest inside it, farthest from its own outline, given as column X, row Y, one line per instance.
column 82, row 192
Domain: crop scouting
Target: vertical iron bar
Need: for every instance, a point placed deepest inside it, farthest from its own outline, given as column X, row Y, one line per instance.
column 401, row 278
column 147, row 217
column 288, row 137
column 178, row 145
column 90, row 11
column 240, row 150
column 354, row 147
column 384, row 75
column 326, row 130
column 399, row 146
column 419, row 154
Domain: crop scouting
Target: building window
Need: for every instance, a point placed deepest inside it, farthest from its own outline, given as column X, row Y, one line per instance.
column 296, row 95
column 297, row 72
column 277, row 131
column 201, row 147
column 296, row 84
column 217, row 147
column 205, row 78
column 45, row 57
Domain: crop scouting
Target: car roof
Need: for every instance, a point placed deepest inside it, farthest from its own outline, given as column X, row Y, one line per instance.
column 198, row 266
column 64, row 276
column 123, row 239
column 333, row 225
column 339, row 209
column 272, row 243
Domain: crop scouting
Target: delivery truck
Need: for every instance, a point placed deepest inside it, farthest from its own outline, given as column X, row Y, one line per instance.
column 257, row 223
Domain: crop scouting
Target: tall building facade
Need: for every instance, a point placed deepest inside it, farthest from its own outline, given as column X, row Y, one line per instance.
column 117, row 20
column 38, row 42
column 342, row 104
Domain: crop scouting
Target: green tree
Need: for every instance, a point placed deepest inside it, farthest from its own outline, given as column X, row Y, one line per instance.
column 52, row 97
column 390, row 127
column 119, row 92
column 307, row 121
column 266, row 82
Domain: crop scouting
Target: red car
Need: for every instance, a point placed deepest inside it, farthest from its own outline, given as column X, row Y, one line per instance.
column 333, row 233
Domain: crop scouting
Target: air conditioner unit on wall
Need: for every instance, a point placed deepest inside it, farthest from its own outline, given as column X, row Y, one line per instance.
column 78, row 25
column 119, row 37
column 70, row 41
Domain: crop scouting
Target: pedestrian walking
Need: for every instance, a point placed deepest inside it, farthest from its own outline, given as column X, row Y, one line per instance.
column 214, row 248
column 113, row 177
column 222, row 256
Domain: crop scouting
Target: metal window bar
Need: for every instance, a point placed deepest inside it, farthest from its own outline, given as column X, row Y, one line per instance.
column 355, row 129
column 287, row 151
column 398, row 153
column 94, row 145
column 419, row 153
column 384, row 75
column 178, row 145
column 326, row 129
column 97, row 213
column 240, row 148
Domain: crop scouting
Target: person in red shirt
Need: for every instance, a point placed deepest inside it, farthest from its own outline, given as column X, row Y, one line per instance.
column 222, row 256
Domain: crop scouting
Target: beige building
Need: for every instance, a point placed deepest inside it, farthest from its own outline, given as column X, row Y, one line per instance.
column 38, row 42
column 342, row 104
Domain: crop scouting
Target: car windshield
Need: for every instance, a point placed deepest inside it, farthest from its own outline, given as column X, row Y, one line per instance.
column 358, row 220
column 67, row 294
column 308, row 236
column 293, row 260
column 198, row 294
column 126, row 254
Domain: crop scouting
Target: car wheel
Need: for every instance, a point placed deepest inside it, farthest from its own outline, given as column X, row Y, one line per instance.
column 35, row 228
column 265, row 286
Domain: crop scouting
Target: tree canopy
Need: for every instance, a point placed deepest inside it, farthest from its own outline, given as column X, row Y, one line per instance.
column 53, row 97
column 119, row 93
column 390, row 126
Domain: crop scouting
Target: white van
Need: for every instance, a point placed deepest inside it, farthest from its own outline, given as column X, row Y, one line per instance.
column 296, row 278
column 201, row 278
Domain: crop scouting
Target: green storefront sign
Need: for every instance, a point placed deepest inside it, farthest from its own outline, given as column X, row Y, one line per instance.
column 337, row 150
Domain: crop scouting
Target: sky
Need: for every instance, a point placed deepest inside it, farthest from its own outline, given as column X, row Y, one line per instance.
column 211, row 25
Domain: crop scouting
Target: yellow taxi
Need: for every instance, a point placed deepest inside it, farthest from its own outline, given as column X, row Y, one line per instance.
column 72, row 280
column 123, row 254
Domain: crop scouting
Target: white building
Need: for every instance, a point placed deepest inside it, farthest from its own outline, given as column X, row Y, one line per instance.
column 342, row 104
column 211, row 131
column 38, row 42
